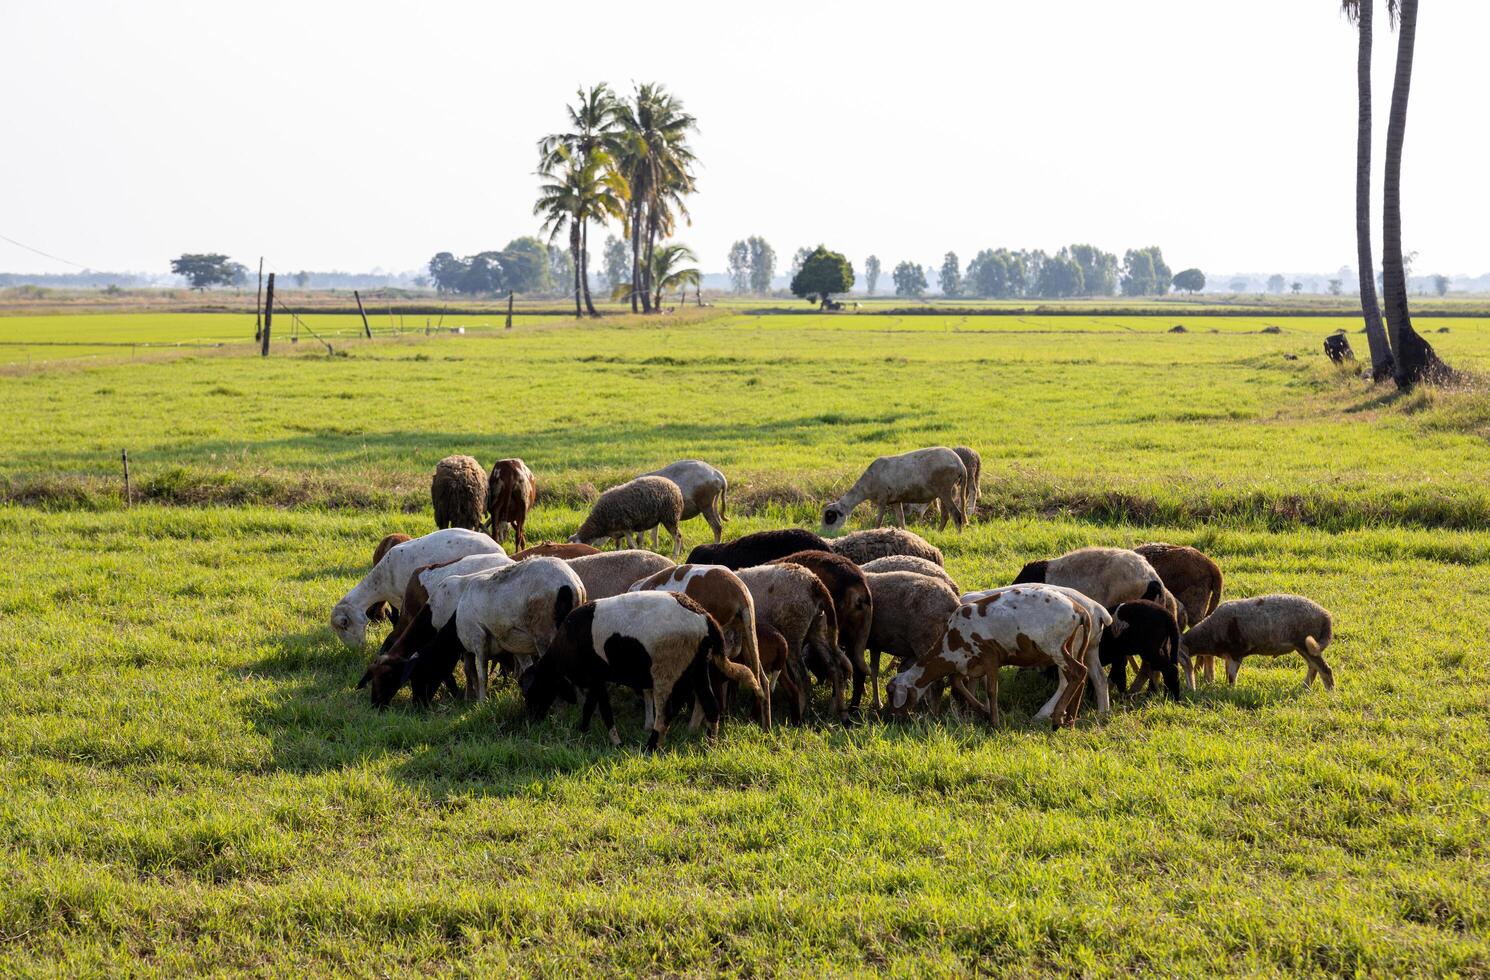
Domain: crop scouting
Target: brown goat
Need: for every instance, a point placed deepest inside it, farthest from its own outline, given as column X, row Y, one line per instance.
column 551, row 549
column 511, row 492
column 458, row 491
column 853, row 606
column 1194, row 579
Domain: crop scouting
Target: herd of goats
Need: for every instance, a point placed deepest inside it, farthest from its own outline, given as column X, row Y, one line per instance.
column 788, row 607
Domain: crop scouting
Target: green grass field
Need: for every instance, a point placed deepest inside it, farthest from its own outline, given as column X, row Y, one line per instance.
column 193, row 785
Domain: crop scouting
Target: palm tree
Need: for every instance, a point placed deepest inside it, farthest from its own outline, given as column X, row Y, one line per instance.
column 658, row 166
column 668, row 272
column 1415, row 358
column 578, row 191
column 592, row 122
column 1359, row 12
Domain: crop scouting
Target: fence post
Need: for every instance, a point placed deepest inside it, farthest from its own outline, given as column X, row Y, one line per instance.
column 268, row 315
column 509, row 309
column 365, row 328
column 128, row 495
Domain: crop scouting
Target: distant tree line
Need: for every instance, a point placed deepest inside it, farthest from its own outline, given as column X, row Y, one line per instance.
column 1076, row 270
column 526, row 265
column 752, row 265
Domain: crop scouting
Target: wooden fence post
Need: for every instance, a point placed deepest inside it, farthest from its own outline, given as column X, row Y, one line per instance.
column 509, row 309
column 128, row 495
column 365, row 328
column 268, row 315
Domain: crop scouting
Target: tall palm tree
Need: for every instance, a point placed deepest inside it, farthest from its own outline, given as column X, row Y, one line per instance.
column 658, row 166
column 669, row 272
column 578, row 191
column 1415, row 358
column 592, row 130
column 1359, row 13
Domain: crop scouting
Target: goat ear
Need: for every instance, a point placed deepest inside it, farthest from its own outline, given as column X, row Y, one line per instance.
column 366, row 679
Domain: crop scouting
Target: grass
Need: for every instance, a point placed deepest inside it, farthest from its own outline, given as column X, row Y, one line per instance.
column 193, row 786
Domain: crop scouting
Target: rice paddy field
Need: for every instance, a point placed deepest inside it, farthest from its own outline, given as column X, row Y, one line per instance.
column 193, row 785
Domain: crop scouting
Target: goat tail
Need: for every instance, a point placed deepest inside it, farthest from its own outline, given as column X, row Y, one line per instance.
column 1312, row 645
column 739, row 673
column 723, row 502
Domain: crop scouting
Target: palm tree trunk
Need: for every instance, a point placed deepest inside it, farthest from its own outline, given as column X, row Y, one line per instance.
column 636, row 260
column 574, row 256
column 647, row 258
column 1415, row 358
column 584, row 266
column 1376, row 335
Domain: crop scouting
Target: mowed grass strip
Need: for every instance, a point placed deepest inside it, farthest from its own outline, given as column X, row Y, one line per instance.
column 193, row 783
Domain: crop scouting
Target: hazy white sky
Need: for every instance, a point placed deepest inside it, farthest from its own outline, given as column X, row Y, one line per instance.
column 352, row 135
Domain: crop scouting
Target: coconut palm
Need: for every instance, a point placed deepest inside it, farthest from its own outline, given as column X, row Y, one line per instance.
column 1415, row 358
column 1360, row 13
column 669, row 271
column 578, row 191
column 657, row 163
column 593, row 131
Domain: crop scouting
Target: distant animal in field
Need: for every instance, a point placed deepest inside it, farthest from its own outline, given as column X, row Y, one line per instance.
column 511, row 492
column 916, row 477
column 458, row 491
column 1337, row 348
column 703, row 488
column 631, row 509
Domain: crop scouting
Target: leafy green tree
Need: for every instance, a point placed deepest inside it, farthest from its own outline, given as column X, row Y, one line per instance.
column 1191, row 281
column 1276, row 283
column 302, row 279
column 586, row 155
column 1099, row 269
column 482, row 273
column 578, row 190
column 822, row 274
column 872, row 272
column 799, row 259
column 1336, row 286
column 1238, row 285
column 995, row 274
column 1145, row 272
column 950, row 278
column 1441, row 285
column 739, row 266
column 1060, row 277
column 670, row 270
column 445, row 270
column 762, row 264
column 1296, row 287
column 525, row 267
column 657, row 163
column 1034, row 267
column 204, row 269
column 909, row 280
column 617, row 263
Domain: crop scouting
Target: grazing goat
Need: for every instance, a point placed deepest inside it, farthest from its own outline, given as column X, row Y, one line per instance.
column 549, row 549
column 513, row 610
column 703, row 488
column 853, row 608
column 910, row 563
column 795, row 603
column 632, row 509
column 861, row 547
column 974, row 465
column 1267, row 626
column 916, row 477
column 511, row 492
column 1147, row 631
column 1021, row 626
column 613, row 572
column 380, row 611
column 910, row 614
column 459, row 492
column 726, row 598
column 389, row 577
column 662, row 644
column 774, row 666
column 757, row 549
column 430, row 601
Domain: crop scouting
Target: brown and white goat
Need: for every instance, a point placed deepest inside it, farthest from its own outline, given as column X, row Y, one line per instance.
column 511, row 492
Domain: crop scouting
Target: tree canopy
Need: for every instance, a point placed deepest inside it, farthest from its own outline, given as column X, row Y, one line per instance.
column 822, row 274
column 1145, row 272
column 950, row 278
column 910, row 280
column 207, row 269
column 872, row 272
column 1190, row 280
